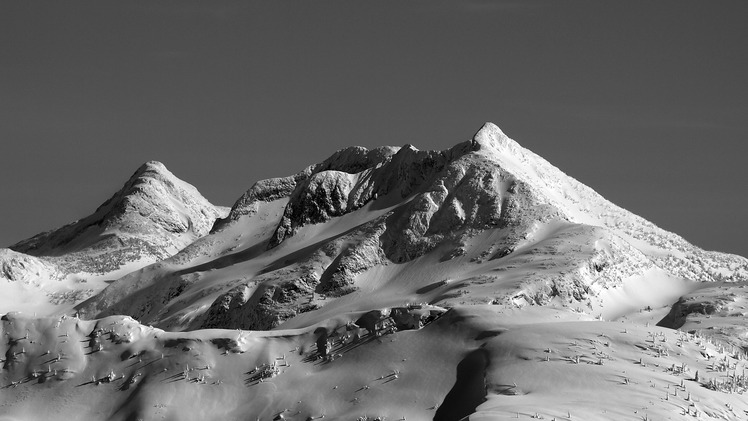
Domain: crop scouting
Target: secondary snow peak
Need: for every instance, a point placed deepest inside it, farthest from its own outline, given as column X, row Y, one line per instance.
column 153, row 216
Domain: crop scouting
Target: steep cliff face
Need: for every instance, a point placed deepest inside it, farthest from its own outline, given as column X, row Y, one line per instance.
column 300, row 284
column 263, row 191
column 322, row 177
column 321, row 197
column 462, row 197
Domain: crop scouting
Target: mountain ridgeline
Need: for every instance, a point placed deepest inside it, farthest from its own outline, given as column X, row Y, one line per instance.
column 485, row 221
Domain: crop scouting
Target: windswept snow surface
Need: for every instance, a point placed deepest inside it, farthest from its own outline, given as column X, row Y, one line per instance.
column 488, row 362
column 393, row 283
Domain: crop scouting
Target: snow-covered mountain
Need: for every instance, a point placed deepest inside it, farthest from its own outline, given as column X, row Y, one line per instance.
column 485, row 221
column 392, row 283
column 153, row 216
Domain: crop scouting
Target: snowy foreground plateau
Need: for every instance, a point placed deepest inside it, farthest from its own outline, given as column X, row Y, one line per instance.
column 479, row 282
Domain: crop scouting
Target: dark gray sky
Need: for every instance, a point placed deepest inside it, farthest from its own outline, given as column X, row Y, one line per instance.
column 646, row 102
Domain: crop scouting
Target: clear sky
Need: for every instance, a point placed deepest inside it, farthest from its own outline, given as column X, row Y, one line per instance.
column 646, row 102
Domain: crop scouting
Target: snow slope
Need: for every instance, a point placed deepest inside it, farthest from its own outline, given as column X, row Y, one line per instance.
column 486, row 362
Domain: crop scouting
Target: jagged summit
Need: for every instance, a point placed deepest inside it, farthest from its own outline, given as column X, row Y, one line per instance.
column 366, row 173
column 354, row 159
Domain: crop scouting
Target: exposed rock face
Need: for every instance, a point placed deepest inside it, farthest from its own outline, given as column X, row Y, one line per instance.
column 351, row 160
column 262, row 191
column 319, row 198
column 281, row 293
column 354, row 254
column 265, row 309
column 684, row 307
column 443, row 195
column 463, row 196
column 152, row 217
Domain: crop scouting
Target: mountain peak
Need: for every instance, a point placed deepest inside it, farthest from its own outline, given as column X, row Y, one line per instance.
column 491, row 136
column 153, row 166
column 154, row 208
column 154, row 169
